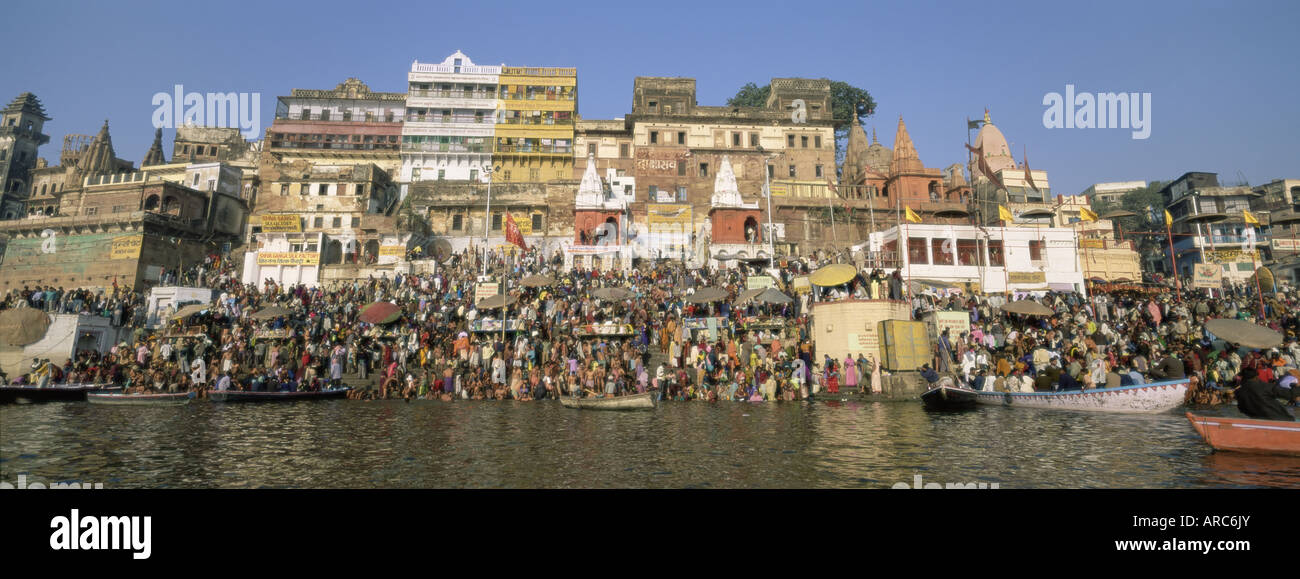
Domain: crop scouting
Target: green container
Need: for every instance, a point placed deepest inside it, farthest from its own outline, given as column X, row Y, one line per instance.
column 904, row 344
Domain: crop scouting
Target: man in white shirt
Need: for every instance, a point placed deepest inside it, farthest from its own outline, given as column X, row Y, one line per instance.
column 198, row 373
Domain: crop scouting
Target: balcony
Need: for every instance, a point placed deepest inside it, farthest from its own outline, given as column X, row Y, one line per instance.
column 536, row 121
column 538, row 97
column 535, row 149
column 451, row 94
column 444, row 148
column 339, row 118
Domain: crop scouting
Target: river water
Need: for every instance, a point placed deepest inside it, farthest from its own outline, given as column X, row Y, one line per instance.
column 489, row 444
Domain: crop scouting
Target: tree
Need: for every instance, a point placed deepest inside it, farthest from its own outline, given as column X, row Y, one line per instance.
column 846, row 102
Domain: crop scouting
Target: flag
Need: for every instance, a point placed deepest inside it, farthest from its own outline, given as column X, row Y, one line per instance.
column 1087, row 214
column 1005, row 215
column 1029, row 175
column 912, row 216
column 984, row 166
column 971, row 125
column 1169, row 219
column 1249, row 218
column 513, row 234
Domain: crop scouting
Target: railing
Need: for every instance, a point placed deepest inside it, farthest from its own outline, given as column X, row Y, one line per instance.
column 452, row 69
column 449, row 120
column 535, row 121
column 452, row 94
column 540, row 71
column 534, row 149
column 338, row 118
column 445, row 148
column 537, row 97
column 321, row 145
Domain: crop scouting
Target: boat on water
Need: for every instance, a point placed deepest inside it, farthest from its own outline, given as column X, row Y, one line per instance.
column 949, row 398
column 644, row 401
column 1144, row 399
column 56, row 393
column 1248, row 434
column 120, row 399
column 249, row 396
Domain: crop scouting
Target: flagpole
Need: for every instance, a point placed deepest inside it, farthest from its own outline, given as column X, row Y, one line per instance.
column 1173, row 260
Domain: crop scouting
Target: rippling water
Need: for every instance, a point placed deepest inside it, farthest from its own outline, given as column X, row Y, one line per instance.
column 347, row 444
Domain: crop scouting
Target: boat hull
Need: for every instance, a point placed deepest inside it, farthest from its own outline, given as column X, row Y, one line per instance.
column 32, row 394
column 644, row 401
column 1248, row 434
column 1145, row 399
column 948, row 398
column 245, row 396
column 118, row 399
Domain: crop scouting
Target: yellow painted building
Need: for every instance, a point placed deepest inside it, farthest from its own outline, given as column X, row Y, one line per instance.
column 534, row 133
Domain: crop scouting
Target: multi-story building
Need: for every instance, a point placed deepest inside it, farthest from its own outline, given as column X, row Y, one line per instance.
column 451, row 109
column 608, row 142
column 1110, row 193
column 21, row 123
column 1209, row 226
column 1279, row 204
column 349, row 125
column 533, row 139
column 1026, row 193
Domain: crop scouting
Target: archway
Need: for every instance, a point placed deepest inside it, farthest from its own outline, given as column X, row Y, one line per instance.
column 372, row 251
column 751, row 230
column 333, row 252
column 934, row 190
column 171, row 205
column 151, row 203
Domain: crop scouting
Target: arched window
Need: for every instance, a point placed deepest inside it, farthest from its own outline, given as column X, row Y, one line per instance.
column 170, row 205
column 151, row 203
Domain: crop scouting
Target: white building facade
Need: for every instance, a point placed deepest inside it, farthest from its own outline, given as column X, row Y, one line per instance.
column 993, row 259
column 451, row 110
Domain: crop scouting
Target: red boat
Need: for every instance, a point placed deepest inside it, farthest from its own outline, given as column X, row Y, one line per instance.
column 1248, row 434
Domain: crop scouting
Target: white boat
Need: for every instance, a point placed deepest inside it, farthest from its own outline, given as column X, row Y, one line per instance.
column 645, row 401
column 1144, row 399
column 160, row 399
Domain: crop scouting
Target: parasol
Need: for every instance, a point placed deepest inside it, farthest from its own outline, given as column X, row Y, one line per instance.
column 748, row 295
column 773, row 296
column 611, row 293
column 833, row 275
column 1244, row 333
column 1028, row 308
column 188, row 311
column 269, row 313
column 23, row 326
column 537, row 281
column 497, row 301
column 707, row 295
column 380, row 313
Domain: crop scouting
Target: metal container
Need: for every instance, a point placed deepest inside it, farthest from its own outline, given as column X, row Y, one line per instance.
column 904, row 345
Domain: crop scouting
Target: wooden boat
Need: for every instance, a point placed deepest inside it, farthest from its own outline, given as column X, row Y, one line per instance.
column 247, row 396
column 949, row 398
column 55, row 393
column 645, row 401
column 163, row 399
column 1144, row 399
column 1248, row 434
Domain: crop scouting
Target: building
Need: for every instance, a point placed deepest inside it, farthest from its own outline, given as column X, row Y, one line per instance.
column 1026, row 193
column 21, row 126
column 533, row 136
column 608, row 142
column 1209, row 226
column 602, row 238
column 451, row 111
column 349, row 125
column 989, row 260
column 1110, row 193
column 1278, row 202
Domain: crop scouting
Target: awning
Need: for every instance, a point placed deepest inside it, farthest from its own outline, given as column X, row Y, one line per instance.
column 1061, row 287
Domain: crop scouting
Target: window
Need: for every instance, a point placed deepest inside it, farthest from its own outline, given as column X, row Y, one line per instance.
column 323, row 190
column 534, row 175
column 653, row 191
column 819, row 170
column 537, row 222
column 654, row 105
column 442, row 174
column 735, row 139
column 654, row 137
column 789, row 141
column 681, row 169
column 338, row 222
column 92, row 210
column 284, row 189
column 592, row 149
column 704, row 169
column 212, row 184
column 753, row 139
column 968, row 252
column 803, row 141
column 415, row 174
column 473, row 174
column 681, row 137
column 624, row 151
column 478, row 117
column 817, row 141
column 305, row 115
column 504, row 174
column 681, row 194
column 793, row 172
column 1036, row 250
column 941, row 257
column 996, row 257
column 318, row 223
column 347, row 115
column 361, row 189
column 196, row 180
column 916, row 252
column 496, row 222
column 771, row 171
column 457, row 222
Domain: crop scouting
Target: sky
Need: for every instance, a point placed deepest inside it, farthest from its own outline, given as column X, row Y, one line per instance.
column 1223, row 76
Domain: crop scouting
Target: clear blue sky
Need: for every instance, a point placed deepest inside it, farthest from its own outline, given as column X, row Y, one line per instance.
column 1224, row 76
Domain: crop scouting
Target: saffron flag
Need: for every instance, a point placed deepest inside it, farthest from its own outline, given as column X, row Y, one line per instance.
column 1169, row 219
column 1005, row 215
column 1087, row 214
column 912, row 216
column 984, row 166
column 1029, row 175
column 1249, row 218
column 513, row 235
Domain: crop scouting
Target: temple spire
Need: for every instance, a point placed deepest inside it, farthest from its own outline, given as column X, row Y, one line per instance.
column 590, row 191
column 726, row 192
column 99, row 157
column 155, row 155
column 905, row 156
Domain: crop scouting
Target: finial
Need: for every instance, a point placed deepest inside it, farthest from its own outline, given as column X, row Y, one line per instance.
column 986, row 115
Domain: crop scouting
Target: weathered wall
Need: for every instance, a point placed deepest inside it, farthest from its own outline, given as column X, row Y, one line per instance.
column 850, row 327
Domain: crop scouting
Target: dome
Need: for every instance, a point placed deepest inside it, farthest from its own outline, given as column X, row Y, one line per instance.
column 996, row 151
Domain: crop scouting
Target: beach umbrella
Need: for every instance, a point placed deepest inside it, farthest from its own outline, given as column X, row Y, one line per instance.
column 748, row 295
column 707, row 295
column 188, row 311
column 1028, row 308
column 269, row 313
column 1244, row 333
column 773, row 296
column 23, row 326
column 833, row 275
column 611, row 293
column 380, row 313
column 497, row 301
column 537, row 281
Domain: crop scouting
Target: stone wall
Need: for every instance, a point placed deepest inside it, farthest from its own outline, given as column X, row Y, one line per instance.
column 850, row 327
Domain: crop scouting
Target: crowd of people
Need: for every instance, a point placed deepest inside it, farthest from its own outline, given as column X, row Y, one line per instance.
column 564, row 340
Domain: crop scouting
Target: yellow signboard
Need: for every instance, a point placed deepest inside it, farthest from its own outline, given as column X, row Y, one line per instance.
column 666, row 214
column 1229, row 256
column 127, row 247
column 1027, row 277
column 290, row 223
column 1091, row 243
column 287, row 258
column 397, row 250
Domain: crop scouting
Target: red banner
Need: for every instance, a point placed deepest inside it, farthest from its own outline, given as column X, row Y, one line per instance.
column 513, row 234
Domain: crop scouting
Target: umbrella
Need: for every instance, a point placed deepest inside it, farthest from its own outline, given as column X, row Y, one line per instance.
column 1244, row 333
column 380, row 313
column 773, row 296
column 23, row 326
column 833, row 275
column 497, row 301
column 537, row 281
column 748, row 295
column 611, row 293
column 269, row 313
column 707, row 295
column 1028, row 308
column 188, row 311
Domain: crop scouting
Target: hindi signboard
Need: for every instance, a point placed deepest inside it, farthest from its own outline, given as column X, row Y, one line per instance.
column 759, row 282
column 395, row 250
column 486, row 290
column 1208, row 275
column 955, row 322
column 282, row 223
column 1027, row 277
column 287, row 258
column 127, row 247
